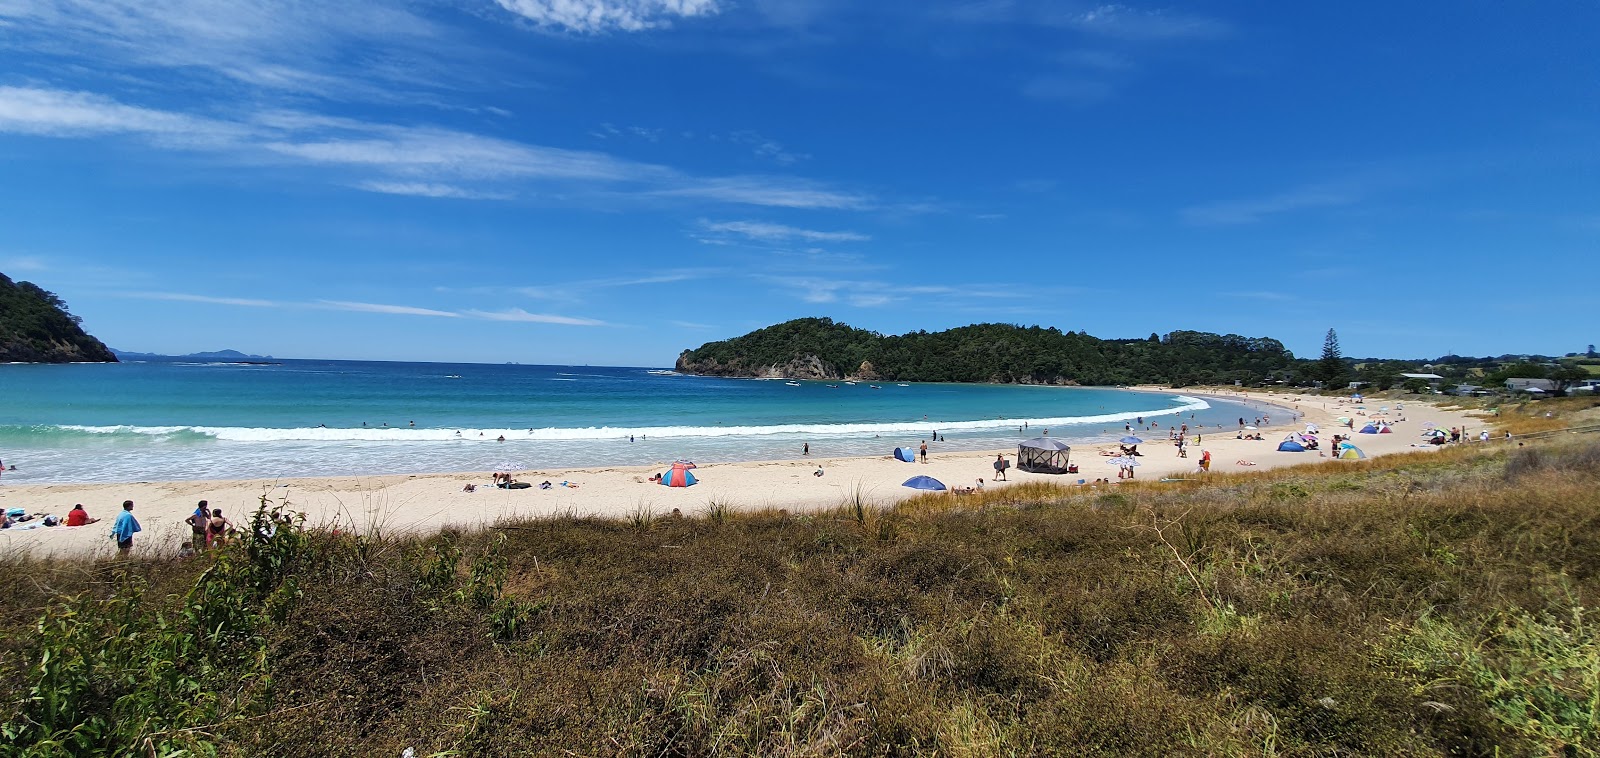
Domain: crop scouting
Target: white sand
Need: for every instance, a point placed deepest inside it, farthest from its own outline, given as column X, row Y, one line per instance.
column 432, row 501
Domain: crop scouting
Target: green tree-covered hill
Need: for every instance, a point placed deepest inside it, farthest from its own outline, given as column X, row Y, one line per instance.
column 35, row 327
column 819, row 348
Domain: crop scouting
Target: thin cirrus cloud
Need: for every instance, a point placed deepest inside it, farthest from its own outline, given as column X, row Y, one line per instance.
column 399, row 310
column 430, row 189
column 598, row 16
column 356, row 48
column 185, row 298
column 509, row 314
column 874, row 294
column 518, row 314
column 768, row 232
column 391, row 159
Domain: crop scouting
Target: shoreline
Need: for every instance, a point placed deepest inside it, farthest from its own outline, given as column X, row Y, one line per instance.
column 429, row 502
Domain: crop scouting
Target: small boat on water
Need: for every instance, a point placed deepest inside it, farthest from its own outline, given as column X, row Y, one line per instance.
column 792, row 384
column 852, row 384
column 833, row 386
column 874, row 386
column 902, row 385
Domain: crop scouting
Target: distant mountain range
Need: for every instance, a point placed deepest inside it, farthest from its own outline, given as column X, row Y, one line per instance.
column 218, row 355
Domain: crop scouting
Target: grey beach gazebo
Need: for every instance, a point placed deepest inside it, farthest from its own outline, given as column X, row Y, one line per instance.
column 1043, row 455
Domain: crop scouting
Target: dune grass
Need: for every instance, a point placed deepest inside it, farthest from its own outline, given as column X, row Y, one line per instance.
column 1430, row 604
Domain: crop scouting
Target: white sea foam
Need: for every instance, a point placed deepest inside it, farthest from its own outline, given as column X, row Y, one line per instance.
column 395, row 434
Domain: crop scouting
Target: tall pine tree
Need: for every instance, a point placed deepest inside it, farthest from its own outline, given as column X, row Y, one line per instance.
column 1331, row 367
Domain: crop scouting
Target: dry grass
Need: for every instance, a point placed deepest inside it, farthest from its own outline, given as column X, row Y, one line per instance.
column 1409, row 605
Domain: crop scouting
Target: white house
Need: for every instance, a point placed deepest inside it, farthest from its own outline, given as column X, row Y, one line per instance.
column 1530, row 385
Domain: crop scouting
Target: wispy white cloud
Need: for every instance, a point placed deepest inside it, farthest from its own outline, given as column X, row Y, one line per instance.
column 1252, row 211
column 766, row 232
column 58, row 113
column 411, row 160
column 426, row 189
column 767, row 148
column 508, row 314
column 690, row 325
column 873, row 294
column 282, row 45
column 599, row 16
column 518, row 314
column 23, row 263
column 770, row 191
column 209, row 299
column 399, row 310
column 1122, row 22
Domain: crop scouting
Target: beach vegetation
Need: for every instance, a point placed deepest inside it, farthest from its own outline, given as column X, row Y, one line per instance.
column 1438, row 603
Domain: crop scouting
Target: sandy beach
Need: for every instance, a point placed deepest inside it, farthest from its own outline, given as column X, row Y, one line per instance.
column 432, row 501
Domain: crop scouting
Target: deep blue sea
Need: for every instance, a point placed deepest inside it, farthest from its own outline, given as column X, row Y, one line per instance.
column 164, row 421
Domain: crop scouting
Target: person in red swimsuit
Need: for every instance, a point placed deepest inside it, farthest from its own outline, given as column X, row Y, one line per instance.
column 79, row 517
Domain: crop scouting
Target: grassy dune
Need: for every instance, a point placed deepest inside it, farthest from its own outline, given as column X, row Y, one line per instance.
column 1432, row 604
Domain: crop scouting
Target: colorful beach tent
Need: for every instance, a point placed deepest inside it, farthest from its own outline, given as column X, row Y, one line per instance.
column 1384, row 429
column 1368, row 429
column 679, row 477
column 923, row 483
column 1351, row 453
column 1290, row 446
column 905, row 454
column 1043, row 455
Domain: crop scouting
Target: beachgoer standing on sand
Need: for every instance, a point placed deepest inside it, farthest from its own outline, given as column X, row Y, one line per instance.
column 1000, row 466
column 923, row 451
column 197, row 522
column 805, row 448
column 217, row 528
column 122, row 531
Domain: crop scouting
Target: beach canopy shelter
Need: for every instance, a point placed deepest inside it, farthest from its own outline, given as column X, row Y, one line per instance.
column 905, row 454
column 923, row 483
column 1351, row 453
column 679, row 476
column 1043, row 455
column 1290, row 446
column 1385, row 429
column 1369, row 429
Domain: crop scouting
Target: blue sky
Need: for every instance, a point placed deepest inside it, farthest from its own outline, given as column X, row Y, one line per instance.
column 611, row 181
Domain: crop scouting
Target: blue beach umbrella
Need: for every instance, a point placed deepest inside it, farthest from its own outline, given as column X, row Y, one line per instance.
column 924, row 483
column 1131, row 441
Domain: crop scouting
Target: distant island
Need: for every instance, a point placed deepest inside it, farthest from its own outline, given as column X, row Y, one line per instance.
column 233, row 356
column 820, row 348
column 35, row 327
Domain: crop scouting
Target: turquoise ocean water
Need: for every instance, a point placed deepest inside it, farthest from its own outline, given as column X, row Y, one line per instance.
column 179, row 421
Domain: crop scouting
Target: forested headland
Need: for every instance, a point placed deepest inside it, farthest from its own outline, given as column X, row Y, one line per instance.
column 35, row 327
column 820, row 348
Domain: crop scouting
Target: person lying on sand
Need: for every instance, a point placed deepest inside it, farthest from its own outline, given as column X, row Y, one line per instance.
column 1243, row 462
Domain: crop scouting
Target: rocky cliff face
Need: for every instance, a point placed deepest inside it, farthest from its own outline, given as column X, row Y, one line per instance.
column 808, row 367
